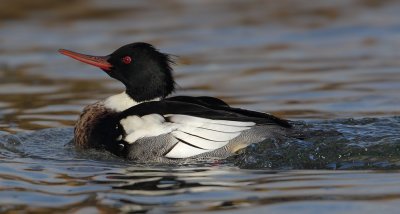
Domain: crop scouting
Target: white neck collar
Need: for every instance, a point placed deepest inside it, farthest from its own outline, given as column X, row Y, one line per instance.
column 121, row 102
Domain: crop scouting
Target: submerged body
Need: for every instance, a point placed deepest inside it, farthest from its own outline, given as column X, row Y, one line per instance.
column 142, row 123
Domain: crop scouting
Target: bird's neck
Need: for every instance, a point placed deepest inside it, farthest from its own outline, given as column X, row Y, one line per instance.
column 121, row 102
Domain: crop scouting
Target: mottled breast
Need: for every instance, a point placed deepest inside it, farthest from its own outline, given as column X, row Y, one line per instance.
column 88, row 126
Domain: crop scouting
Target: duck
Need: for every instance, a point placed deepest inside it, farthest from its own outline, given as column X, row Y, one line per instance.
column 146, row 123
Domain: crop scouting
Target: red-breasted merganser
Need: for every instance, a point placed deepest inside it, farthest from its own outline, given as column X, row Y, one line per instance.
column 143, row 123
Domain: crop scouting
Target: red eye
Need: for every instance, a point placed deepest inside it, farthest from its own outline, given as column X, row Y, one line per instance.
column 126, row 59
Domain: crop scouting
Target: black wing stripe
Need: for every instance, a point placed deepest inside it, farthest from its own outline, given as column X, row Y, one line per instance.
column 189, row 144
column 219, row 130
column 202, row 137
column 170, row 149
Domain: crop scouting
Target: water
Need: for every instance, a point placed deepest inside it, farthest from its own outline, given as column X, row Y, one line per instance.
column 331, row 67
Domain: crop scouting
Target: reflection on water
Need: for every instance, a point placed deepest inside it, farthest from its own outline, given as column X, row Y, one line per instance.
column 302, row 61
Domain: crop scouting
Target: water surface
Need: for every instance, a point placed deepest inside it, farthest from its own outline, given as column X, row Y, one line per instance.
column 331, row 67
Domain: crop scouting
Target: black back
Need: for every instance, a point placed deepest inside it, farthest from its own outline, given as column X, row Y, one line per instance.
column 205, row 107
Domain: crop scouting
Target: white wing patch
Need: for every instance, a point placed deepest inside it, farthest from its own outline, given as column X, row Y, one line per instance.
column 219, row 125
column 147, row 126
column 199, row 141
column 194, row 135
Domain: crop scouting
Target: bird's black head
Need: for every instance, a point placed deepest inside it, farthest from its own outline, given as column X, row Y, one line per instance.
column 145, row 72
